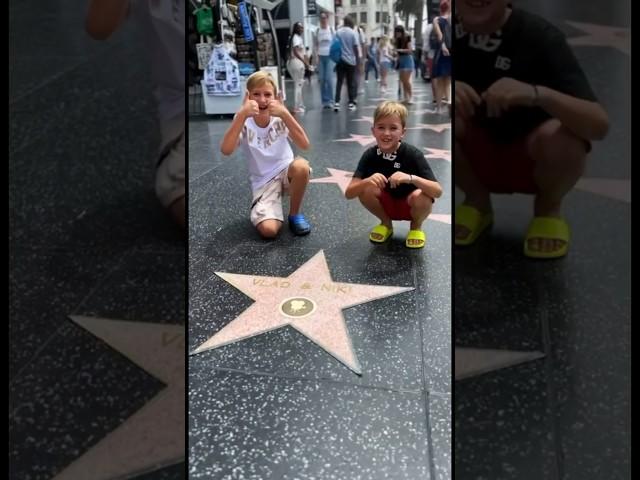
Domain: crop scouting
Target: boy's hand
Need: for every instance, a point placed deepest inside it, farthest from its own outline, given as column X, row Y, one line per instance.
column 467, row 100
column 506, row 93
column 379, row 180
column 398, row 178
column 276, row 107
column 249, row 107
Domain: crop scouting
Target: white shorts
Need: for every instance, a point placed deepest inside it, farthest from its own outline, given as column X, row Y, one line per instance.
column 171, row 162
column 267, row 200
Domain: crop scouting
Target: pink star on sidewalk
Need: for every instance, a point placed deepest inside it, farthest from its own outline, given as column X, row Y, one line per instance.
column 307, row 300
column 339, row 177
column 363, row 140
column 602, row 36
column 437, row 153
column 152, row 437
column 436, row 127
column 617, row 189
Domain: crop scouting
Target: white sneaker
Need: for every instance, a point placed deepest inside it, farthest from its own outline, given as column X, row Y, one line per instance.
column 336, row 107
column 352, row 106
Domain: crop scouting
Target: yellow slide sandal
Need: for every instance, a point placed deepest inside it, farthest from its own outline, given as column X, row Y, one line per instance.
column 415, row 239
column 547, row 228
column 473, row 220
column 380, row 233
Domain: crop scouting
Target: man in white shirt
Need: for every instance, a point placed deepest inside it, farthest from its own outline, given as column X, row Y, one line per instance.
column 162, row 25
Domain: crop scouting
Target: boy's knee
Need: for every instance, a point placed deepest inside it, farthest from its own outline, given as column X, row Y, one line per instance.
column 299, row 168
column 371, row 191
column 555, row 146
column 269, row 228
column 420, row 201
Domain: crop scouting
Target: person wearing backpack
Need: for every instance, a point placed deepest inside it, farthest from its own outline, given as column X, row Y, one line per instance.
column 322, row 40
column 441, row 75
column 346, row 65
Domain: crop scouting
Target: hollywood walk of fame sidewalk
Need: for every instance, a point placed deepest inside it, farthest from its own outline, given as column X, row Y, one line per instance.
column 324, row 383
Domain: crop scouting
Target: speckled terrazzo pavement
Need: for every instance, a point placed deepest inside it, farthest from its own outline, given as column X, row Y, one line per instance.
column 276, row 405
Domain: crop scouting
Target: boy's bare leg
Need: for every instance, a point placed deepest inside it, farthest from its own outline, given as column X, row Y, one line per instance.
column 421, row 206
column 298, row 175
column 370, row 199
column 475, row 193
column 560, row 159
column 269, row 228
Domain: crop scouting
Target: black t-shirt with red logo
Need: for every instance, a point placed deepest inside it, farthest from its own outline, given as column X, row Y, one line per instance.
column 406, row 159
column 527, row 48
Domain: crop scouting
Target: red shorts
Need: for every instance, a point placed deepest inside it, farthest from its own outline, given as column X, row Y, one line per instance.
column 502, row 168
column 396, row 208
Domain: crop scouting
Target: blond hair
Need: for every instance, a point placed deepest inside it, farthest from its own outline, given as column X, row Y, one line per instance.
column 389, row 108
column 259, row 78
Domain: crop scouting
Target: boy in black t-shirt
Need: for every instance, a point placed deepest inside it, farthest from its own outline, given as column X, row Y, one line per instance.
column 393, row 179
column 525, row 117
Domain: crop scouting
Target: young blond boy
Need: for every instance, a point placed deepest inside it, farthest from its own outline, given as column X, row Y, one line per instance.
column 393, row 179
column 263, row 126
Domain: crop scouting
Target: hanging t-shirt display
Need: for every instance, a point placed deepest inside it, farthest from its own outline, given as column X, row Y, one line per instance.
column 221, row 77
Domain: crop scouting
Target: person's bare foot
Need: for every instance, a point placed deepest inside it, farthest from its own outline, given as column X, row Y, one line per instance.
column 482, row 205
column 543, row 208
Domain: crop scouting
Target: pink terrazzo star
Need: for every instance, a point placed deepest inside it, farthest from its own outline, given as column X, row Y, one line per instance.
column 363, row 140
column 153, row 436
column 436, row 127
column 617, row 189
column 437, row 153
column 472, row 362
column 307, row 300
column 339, row 177
column 602, row 36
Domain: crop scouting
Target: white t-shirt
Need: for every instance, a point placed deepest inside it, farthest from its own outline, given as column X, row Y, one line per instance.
column 325, row 37
column 162, row 26
column 267, row 150
column 296, row 42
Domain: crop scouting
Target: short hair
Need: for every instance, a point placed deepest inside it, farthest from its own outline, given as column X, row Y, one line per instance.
column 388, row 108
column 259, row 78
column 348, row 21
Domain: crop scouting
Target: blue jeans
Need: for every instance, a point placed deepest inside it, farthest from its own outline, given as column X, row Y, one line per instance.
column 325, row 75
column 371, row 65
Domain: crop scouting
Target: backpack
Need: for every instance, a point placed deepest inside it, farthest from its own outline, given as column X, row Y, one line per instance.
column 335, row 51
column 446, row 31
